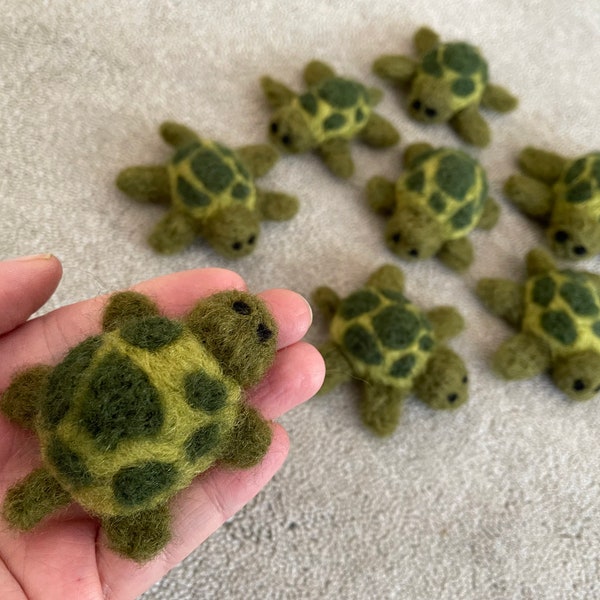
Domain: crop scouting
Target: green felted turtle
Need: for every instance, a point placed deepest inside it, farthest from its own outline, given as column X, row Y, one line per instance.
column 564, row 195
column 558, row 314
column 132, row 415
column 326, row 117
column 392, row 347
column 434, row 205
column 211, row 193
column 448, row 83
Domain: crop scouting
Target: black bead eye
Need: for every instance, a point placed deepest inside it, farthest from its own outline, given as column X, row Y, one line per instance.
column 274, row 127
column 413, row 252
column 578, row 385
column 241, row 307
column 396, row 238
column 416, row 104
column 263, row 332
column 430, row 112
column 580, row 250
column 561, row 236
column 286, row 139
column 597, row 388
column 252, row 239
column 465, row 379
column 237, row 245
column 452, row 398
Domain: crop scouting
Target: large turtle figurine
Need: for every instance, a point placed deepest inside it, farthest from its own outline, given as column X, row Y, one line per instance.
column 558, row 314
column 326, row 117
column 132, row 415
column 448, row 83
column 564, row 195
column 392, row 347
column 434, row 205
column 211, row 193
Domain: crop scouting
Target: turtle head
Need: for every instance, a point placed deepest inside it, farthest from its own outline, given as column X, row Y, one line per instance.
column 573, row 235
column 290, row 132
column 232, row 232
column 431, row 99
column 412, row 233
column 578, row 375
column 239, row 331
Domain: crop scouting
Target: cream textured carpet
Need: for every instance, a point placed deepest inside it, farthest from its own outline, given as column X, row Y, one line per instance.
column 500, row 499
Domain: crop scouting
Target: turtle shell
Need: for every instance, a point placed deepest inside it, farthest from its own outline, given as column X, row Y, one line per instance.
column 563, row 308
column 450, row 185
column 132, row 415
column 206, row 177
column 579, row 186
column 385, row 338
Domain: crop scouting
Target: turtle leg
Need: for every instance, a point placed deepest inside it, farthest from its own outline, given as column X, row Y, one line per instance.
column 542, row 165
column 141, row 535
column 388, row 277
column 34, row 498
column 457, row 254
column 326, row 300
column 336, row 155
column 173, row 233
column 258, row 158
column 444, row 382
column 497, row 98
column 177, row 135
column 126, row 306
column 395, row 67
column 471, row 126
column 530, row 196
column 538, row 261
column 250, row 439
column 413, row 152
column 381, row 195
column 337, row 368
column 490, row 215
column 276, row 93
column 316, row 71
column 379, row 132
column 375, row 96
column 275, row 206
column 504, row 298
column 380, row 408
column 446, row 321
column 521, row 356
column 425, row 39
column 146, row 184
column 25, row 394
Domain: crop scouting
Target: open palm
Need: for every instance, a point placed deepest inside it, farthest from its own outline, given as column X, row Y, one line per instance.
column 66, row 556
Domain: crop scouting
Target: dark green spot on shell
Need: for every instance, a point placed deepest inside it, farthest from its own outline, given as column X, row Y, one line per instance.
column 359, row 115
column 580, row 192
column 415, row 181
column 358, row 303
column 309, row 103
column 362, row 345
column 463, row 217
column 64, row 380
column 120, row 403
column 543, row 291
column 403, row 366
column 183, row 152
column 426, row 343
column 339, row 93
column 136, row 485
column 396, row 327
column 203, row 392
column 210, row 169
column 437, row 202
column 202, row 441
column 151, row 333
column 68, row 463
column 462, row 58
column 575, row 170
column 240, row 191
column 191, row 196
column 394, row 295
column 455, row 175
column 463, row 87
column 334, row 121
column 559, row 325
column 430, row 64
column 579, row 298
column 596, row 328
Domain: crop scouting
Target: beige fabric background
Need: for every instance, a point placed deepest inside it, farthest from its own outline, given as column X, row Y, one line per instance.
column 498, row 500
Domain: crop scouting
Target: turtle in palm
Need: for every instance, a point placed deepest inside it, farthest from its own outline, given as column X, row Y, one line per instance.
column 558, row 314
column 564, row 195
column 326, row 117
column 434, row 205
column 211, row 193
column 393, row 347
column 132, row 415
column 448, row 83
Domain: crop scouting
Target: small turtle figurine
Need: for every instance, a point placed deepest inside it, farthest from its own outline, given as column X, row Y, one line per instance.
column 326, row 117
column 448, row 84
column 392, row 347
column 564, row 195
column 432, row 207
column 558, row 313
column 132, row 415
column 211, row 193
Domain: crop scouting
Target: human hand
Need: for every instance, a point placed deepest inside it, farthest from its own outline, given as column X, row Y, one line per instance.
column 66, row 556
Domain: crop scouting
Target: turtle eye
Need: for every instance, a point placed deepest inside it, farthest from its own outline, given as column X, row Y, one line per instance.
column 580, row 250
column 465, row 379
column 579, row 385
column 286, row 140
column 263, row 332
column 597, row 388
column 416, row 104
column 237, row 245
column 452, row 397
column 430, row 112
column 561, row 236
column 240, row 307
column 252, row 239
column 274, row 127
column 396, row 237
column 413, row 252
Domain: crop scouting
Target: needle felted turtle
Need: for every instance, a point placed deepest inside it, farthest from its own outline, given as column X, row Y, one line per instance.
column 211, row 193
column 558, row 314
column 564, row 195
column 393, row 347
column 434, row 205
column 326, row 117
column 132, row 415
column 448, row 83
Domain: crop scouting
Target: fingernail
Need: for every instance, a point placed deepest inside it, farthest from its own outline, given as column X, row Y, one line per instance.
column 33, row 257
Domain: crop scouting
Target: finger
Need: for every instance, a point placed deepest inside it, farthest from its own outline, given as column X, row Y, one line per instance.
column 296, row 376
column 197, row 512
column 25, row 285
column 292, row 313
